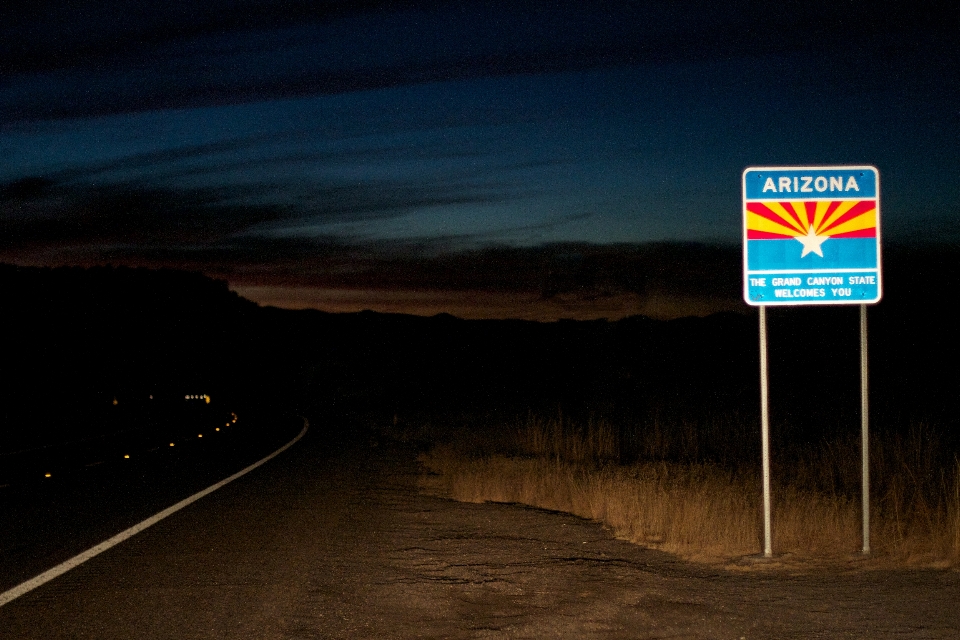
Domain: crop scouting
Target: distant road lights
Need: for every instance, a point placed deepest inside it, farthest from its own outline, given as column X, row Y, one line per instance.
column 47, row 475
column 199, row 435
column 126, row 456
column 171, row 444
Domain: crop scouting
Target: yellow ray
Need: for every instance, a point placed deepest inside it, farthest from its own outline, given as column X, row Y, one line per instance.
column 821, row 211
column 866, row 220
column 845, row 206
column 759, row 223
column 787, row 217
column 800, row 210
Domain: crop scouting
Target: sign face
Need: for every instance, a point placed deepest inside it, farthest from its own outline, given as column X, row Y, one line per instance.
column 811, row 235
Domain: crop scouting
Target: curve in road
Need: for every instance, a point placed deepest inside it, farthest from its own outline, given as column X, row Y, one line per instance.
column 77, row 560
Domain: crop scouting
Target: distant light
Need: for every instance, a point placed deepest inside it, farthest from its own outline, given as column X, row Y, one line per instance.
column 114, row 402
column 171, row 444
column 200, row 435
column 218, row 428
column 126, row 456
column 186, row 397
column 46, row 475
column 151, row 396
column 207, row 399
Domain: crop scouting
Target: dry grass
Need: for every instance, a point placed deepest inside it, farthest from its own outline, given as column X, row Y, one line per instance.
column 710, row 511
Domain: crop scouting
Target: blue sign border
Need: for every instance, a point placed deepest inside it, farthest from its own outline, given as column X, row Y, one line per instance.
column 769, row 279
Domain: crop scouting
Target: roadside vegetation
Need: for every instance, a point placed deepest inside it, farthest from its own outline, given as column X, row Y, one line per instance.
column 692, row 486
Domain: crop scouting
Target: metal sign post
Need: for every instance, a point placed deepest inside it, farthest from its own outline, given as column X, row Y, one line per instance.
column 864, row 432
column 833, row 212
column 765, row 435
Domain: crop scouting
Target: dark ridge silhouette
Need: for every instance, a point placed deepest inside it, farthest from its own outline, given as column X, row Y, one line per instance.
column 80, row 339
column 89, row 347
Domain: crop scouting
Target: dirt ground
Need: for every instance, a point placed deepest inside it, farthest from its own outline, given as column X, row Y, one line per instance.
column 427, row 567
column 316, row 545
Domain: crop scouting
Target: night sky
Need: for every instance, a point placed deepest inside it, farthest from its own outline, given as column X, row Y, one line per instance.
column 486, row 159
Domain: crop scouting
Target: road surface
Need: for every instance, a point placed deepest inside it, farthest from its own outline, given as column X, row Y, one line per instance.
column 334, row 541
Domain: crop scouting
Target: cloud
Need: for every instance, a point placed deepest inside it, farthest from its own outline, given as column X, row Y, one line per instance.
column 211, row 231
column 548, row 282
column 82, row 32
column 81, row 219
column 41, row 215
column 89, row 58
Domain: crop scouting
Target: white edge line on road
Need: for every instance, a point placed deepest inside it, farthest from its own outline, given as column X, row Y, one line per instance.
column 77, row 560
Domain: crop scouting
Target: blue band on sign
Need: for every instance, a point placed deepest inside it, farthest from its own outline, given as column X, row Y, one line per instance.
column 815, row 182
column 846, row 253
column 813, row 288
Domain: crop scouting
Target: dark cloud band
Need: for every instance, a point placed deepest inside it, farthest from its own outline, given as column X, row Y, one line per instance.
column 90, row 58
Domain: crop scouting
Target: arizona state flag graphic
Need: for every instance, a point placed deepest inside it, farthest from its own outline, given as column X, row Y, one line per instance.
column 811, row 235
column 825, row 234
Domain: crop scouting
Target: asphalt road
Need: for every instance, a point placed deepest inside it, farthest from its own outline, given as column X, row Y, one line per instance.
column 334, row 541
column 100, row 486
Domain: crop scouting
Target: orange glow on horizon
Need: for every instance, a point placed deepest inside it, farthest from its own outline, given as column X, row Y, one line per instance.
column 486, row 305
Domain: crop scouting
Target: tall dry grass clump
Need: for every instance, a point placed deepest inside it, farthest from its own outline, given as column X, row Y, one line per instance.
column 709, row 510
column 695, row 511
column 919, row 503
column 955, row 515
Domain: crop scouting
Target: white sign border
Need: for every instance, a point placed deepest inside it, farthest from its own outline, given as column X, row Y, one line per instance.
column 781, row 302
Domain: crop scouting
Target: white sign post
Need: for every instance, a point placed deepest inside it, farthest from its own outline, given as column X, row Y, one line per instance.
column 811, row 235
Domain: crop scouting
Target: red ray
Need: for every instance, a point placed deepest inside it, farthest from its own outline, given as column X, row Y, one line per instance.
column 793, row 212
column 762, row 210
column 766, row 235
column 811, row 207
column 862, row 233
column 861, row 207
column 829, row 212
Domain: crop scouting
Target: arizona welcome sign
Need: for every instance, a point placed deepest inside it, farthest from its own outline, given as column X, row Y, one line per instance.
column 811, row 235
